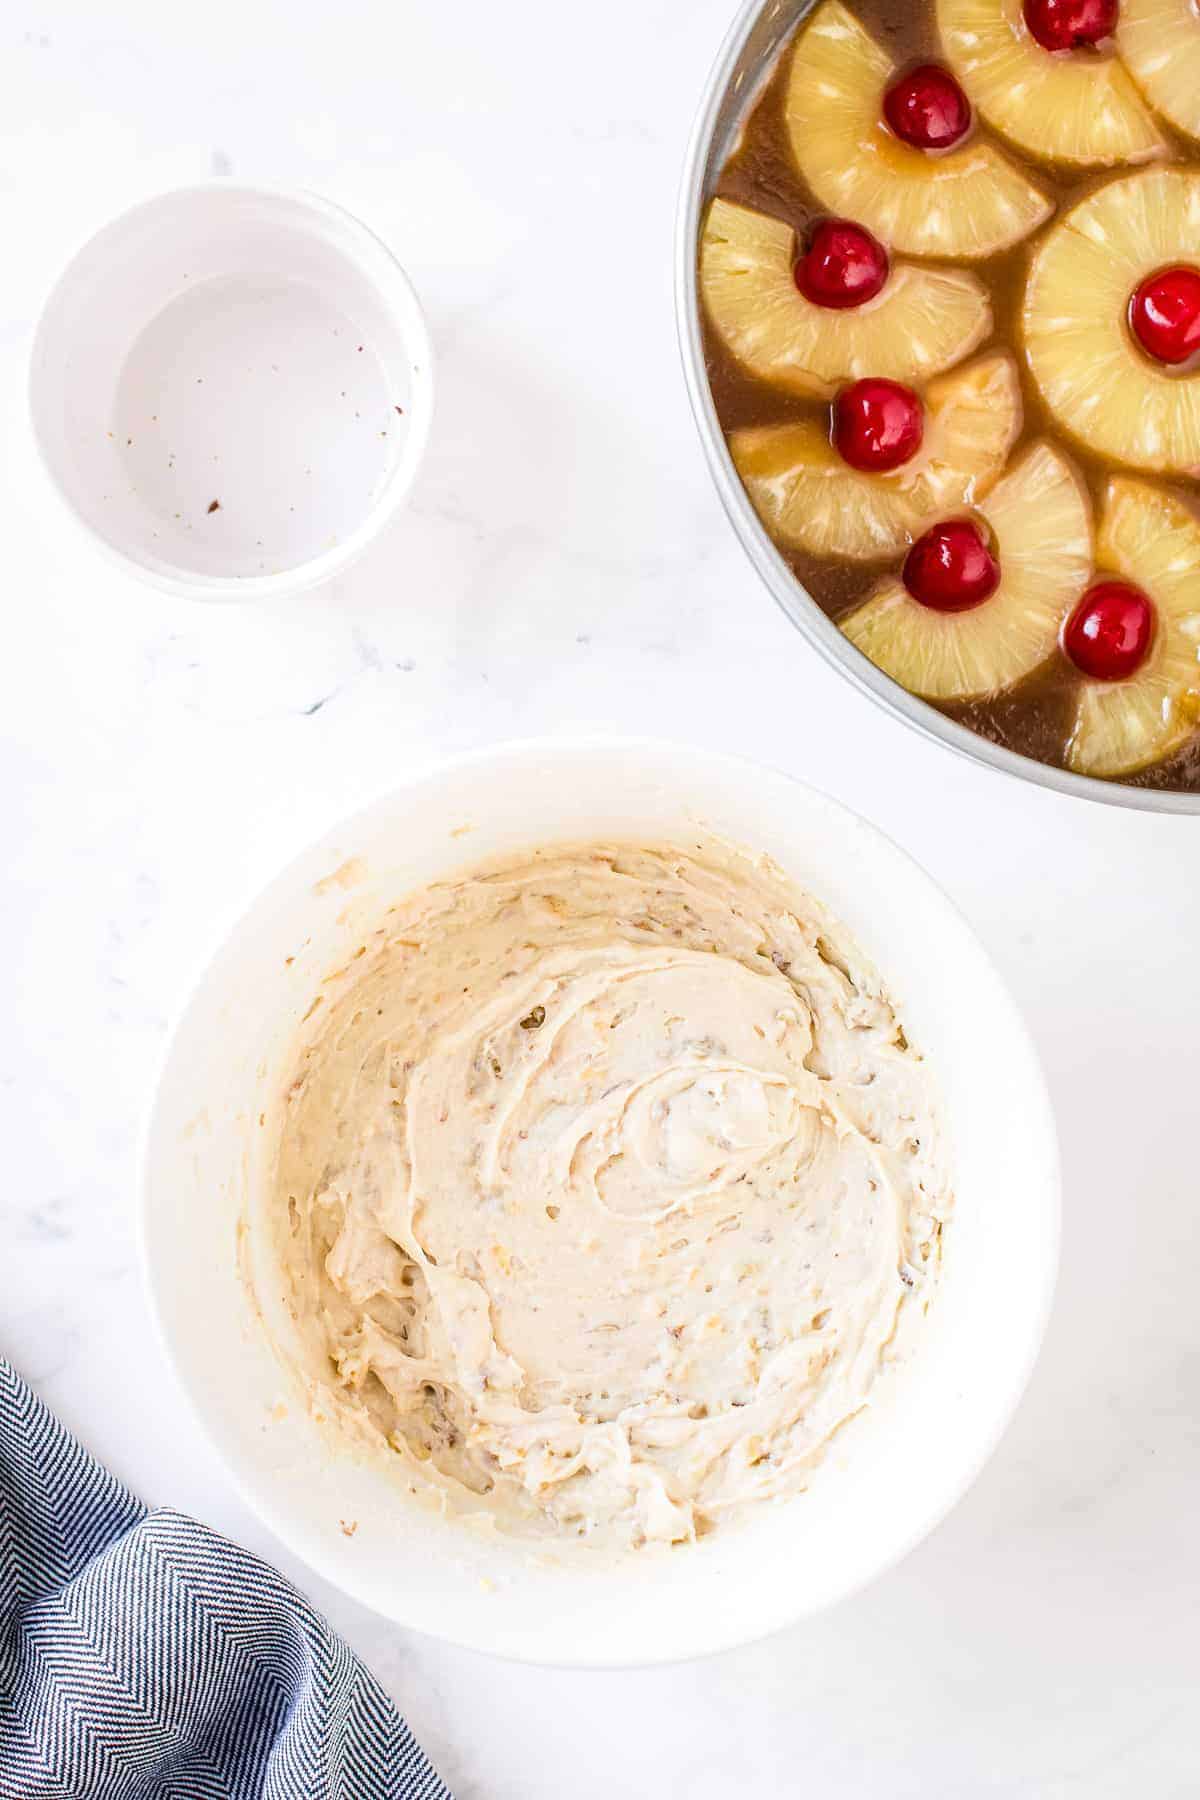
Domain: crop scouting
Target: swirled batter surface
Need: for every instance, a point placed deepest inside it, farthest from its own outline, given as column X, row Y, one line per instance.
column 606, row 1182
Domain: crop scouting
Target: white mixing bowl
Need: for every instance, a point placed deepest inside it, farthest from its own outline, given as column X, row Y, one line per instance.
column 898, row 1470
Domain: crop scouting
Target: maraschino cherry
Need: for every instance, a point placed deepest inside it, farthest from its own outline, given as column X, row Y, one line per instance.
column 1164, row 314
column 950, row 569
column 1070, row 24
column 1109, row 634
column 926, row 107
column 843, row 265
column 877, row 425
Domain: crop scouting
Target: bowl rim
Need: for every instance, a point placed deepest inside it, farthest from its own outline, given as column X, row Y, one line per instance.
column 316, row 570
column 255, row 1495
column 788, row 591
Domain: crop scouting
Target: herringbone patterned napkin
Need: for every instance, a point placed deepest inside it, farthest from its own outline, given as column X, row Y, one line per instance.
column 142, row 1657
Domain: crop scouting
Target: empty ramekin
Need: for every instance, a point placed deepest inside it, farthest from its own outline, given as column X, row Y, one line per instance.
column 231, row 387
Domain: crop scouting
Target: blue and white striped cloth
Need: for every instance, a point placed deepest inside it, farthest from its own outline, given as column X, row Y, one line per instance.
column 142, row 1657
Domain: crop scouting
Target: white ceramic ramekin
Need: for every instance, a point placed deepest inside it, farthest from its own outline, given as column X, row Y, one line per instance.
column 900, row 1468
column 231, row 387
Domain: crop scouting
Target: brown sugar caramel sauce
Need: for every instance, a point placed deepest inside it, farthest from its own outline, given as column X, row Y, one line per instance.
column 1034, row 717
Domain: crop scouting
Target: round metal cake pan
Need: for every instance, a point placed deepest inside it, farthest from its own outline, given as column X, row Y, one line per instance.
column 742, row 67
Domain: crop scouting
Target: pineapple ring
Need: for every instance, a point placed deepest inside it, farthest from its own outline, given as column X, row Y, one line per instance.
column 1094, row 378
column 1039, row 518
column 1151, row 538
column 964, row 203
column 923, row 320
column 1160, row 42
column 1072, row 109
column 809, row 499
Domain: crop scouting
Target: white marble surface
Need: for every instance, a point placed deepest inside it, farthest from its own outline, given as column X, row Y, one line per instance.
column 564, row 564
